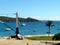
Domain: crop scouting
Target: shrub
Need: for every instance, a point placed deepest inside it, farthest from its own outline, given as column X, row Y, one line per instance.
column 56, row 36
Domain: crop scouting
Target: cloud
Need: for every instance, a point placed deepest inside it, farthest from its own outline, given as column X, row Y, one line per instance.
column 54, row 18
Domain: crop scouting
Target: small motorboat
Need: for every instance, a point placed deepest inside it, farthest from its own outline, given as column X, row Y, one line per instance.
column 7, row 29
column 34, row 30
column 23, row 24
column 1, row 21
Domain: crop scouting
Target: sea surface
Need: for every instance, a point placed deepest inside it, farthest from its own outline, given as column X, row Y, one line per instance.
column 30, row 28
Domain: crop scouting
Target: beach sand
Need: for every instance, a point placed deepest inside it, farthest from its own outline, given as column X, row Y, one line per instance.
column 19, row 42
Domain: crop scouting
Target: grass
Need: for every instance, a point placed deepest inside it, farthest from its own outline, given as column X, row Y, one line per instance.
column 40, row 38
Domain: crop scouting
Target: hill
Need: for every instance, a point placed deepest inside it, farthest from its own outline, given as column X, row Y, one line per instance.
column 10, row 19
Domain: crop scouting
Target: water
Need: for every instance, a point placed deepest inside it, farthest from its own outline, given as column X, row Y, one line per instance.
column 31, row 28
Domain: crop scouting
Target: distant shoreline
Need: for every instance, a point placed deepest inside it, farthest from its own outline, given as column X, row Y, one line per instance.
column 10, row 19
column 29, row 35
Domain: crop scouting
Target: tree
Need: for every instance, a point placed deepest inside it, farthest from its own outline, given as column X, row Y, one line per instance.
column 49, row 24
column 56, row 36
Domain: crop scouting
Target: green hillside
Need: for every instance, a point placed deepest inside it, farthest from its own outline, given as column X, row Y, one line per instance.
column 10, row 19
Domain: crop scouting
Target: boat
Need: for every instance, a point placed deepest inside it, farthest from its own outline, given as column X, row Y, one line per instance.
column 7, row 29
column 23, row 24
column 1, row 22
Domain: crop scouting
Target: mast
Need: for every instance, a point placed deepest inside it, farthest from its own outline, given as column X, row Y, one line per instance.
column 17, row 30
column 16, row 19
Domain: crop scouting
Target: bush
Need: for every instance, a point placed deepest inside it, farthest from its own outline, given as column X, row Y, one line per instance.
column 57, row 44
column 56, row 37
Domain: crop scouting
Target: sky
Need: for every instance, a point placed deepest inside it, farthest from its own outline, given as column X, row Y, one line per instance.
column 38, row 9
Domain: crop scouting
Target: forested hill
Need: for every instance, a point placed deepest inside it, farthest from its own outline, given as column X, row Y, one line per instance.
column 10, row 19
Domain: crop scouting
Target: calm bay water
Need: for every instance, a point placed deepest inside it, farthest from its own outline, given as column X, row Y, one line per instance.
column 31, row 28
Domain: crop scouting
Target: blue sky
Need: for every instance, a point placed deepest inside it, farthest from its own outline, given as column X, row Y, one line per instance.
column 39, row 9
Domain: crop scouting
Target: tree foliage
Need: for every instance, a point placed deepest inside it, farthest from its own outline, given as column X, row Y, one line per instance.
column 56, row 37
column 49, row 24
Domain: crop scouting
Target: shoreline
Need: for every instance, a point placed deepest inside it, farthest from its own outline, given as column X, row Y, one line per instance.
column 4, row 41
column 38, row 35
column 29, row 35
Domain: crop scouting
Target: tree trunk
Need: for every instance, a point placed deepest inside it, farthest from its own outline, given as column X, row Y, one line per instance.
column 49, row 32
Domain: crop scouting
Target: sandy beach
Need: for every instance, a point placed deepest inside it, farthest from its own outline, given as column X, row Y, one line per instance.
column 25, row 41
column 20, row 42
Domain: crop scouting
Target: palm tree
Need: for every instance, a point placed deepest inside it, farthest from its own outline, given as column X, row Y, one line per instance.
column 49, row 24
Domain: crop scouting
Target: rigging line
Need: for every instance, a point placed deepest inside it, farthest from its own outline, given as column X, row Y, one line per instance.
column 2, row 31
column 9, row 26
column 7, row 13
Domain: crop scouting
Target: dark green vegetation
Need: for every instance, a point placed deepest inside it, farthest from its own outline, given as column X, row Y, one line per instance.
column 9, row 19
column 56, row 37
column 57, row 44
column 40, row 38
